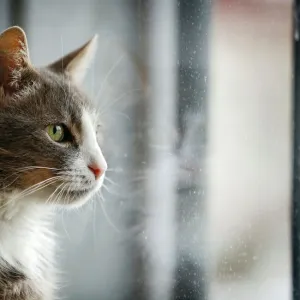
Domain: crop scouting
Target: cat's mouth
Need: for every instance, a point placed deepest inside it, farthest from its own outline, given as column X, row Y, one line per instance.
column 67, row 195
column 74, row 196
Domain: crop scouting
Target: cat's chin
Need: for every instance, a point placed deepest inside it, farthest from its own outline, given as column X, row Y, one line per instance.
column 77, row 199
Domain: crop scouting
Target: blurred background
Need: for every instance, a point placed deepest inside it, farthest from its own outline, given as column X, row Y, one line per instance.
column 196, row 104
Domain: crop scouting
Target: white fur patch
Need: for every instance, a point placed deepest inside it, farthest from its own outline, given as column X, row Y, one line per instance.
column 27, row 242
column 90, row 148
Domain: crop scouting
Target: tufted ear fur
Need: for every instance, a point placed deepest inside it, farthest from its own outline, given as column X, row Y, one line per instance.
column 76, row 63
column 14, row 57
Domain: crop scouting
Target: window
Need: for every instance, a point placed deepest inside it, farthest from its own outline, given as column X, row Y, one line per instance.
column 197, row 106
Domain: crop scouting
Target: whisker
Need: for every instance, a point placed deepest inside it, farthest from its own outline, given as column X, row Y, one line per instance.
column 67, row 193
column 36, row 187
column 108, row 74
column 105, row 108
column 116, row 170
column 8, row 185
column 62, row 52
column 64, row 225
column 94, row 223
column 60, row 193
column 36, row 167
column 121, row 114
column 52, row 194
column 7, row 203
column 111, row 192
column 106, row 214
column 111, row 181
column 22, row 170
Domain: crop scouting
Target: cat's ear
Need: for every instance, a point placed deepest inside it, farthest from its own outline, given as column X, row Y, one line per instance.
column 14, row 57
column 76, row 63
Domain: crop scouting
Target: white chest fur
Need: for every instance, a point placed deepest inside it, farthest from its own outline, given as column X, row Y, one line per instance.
column 27, row 242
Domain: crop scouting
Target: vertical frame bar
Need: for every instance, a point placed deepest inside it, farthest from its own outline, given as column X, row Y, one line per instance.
column 161, row 183
column 16, row 12
column 296, row 167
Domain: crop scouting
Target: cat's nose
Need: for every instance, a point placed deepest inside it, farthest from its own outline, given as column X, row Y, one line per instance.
column 97, row 171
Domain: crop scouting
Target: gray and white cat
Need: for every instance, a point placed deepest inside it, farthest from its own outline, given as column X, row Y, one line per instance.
column 49, row 157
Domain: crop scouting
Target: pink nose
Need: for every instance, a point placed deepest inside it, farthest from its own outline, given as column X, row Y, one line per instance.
column 96, row 170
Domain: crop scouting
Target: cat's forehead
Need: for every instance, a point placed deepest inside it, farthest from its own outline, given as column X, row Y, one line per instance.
column 57, row 96
column 62, row 89
column 49, row 98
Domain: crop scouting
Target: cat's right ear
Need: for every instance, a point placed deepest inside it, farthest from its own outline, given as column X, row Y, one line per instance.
column 76, row 63
column 14, row 56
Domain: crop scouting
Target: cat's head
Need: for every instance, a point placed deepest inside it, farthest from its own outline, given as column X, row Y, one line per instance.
column 48, row 128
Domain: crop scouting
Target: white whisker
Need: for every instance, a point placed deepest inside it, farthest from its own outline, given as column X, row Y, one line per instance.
column 106, row 215
column 36, row 187
column 52, row 194
column 111, row 181
column 107, row 75
column 105, row 108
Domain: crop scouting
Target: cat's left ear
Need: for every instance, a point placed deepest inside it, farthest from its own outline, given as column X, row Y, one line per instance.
column 14, row 57
column 76, row 63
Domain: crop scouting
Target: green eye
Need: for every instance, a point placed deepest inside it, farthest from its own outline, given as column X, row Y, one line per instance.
column 56, row 132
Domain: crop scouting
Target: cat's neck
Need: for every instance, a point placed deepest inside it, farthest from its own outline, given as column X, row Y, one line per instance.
column 27, row 241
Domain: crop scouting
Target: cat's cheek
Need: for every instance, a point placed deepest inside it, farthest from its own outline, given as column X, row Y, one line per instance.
column 35, row 177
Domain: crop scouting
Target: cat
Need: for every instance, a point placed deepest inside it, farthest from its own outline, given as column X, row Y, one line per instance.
column 49, row 157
